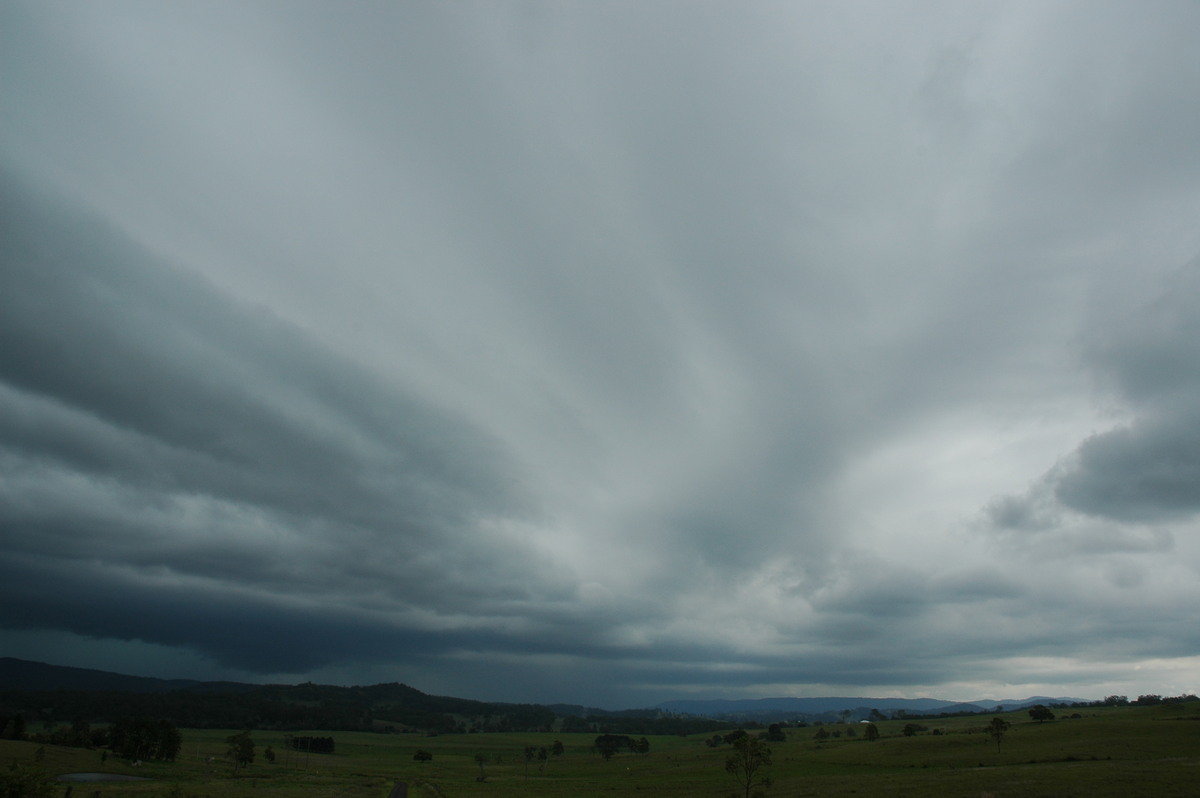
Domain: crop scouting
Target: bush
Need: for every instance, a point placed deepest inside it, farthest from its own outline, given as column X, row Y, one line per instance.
column 25, row 780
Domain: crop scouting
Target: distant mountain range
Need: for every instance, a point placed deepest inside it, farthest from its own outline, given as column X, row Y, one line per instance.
column 26, row 676
column 830, row 708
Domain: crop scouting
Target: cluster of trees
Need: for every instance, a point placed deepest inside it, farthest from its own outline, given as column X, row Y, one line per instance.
column 774, row 733
column 649, row 722
column 128, row 737
column 77, row 734
column 26, row 780
column 911, row 729
column 825, row 732
column 1142, row 700
column 315, row 745
column 542, row 755
column 1107, row 701
column 530, row 754
column 608, row 745
column 144, row 738
column 870, row 732
column 1123, row 701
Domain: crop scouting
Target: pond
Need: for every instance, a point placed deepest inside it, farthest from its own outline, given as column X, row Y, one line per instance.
column 98, row 777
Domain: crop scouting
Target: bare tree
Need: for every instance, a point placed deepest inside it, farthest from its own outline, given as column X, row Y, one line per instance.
column 750, row 755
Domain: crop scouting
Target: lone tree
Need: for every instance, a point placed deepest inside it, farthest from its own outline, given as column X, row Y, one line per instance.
column 750, row 755
column 481, row 760
column 241, row 750
column 1041, row 714
column 529, row 753
column 996, row 730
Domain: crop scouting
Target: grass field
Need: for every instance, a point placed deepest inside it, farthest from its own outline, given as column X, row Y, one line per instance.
column 1109, row 751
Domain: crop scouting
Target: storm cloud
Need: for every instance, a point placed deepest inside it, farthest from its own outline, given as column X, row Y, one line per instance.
column 603, row 353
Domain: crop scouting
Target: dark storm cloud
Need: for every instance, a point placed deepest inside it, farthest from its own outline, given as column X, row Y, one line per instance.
column 157, row 433
column 601, row 352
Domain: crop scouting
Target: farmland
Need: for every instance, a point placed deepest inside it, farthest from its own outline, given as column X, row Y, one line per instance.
column 1106, row 751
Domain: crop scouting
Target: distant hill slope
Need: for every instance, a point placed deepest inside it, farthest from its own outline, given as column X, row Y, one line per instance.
column 20, row 674
column 329, row 706
column 785, row 708
column 52, row 693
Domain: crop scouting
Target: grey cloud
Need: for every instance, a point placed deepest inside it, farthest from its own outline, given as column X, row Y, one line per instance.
column 216, row 620
column 244, row 628
column 153, row 424
column 144, row 350
column 1017, row 512
column 594, row 349
column 1146, row 470
column 1149, row 469
column 1151, row 354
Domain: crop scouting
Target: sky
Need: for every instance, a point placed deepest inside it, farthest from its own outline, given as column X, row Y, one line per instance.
column 604, row 353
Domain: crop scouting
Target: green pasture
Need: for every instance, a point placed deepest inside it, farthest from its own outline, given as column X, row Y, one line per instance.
column 1109, row 751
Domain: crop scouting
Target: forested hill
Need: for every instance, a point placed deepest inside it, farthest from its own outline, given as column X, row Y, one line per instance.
column 42, row 692
column 21, row 674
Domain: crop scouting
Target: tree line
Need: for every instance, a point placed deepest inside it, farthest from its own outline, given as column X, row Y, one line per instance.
column 128, row 737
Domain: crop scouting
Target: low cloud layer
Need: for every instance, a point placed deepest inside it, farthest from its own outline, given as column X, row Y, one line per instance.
column 603, row 353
